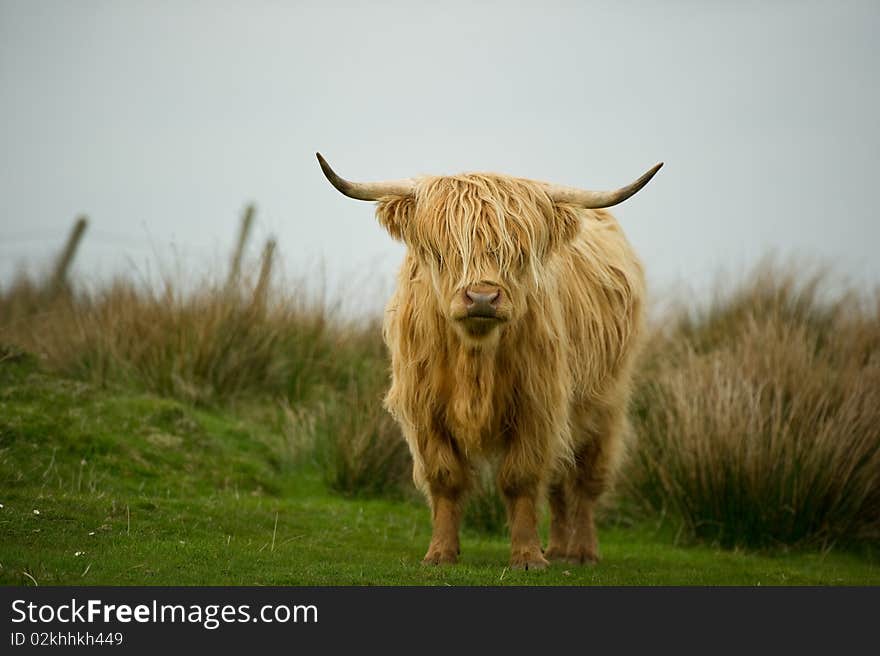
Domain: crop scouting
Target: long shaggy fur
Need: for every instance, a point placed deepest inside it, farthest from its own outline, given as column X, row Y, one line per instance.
column 547, row 395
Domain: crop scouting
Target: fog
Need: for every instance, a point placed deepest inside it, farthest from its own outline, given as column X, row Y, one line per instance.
column 160, row 121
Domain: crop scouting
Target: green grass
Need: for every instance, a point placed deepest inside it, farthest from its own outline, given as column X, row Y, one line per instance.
column 134, row 489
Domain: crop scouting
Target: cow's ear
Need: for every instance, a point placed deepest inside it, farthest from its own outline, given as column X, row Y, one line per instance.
column 395, row 214
column 564, row 224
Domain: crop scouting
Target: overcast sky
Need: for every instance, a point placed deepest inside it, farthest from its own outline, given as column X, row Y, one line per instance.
column 162, row 120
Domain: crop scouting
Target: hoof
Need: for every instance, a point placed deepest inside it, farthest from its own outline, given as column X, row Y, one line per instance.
column 440, row 557
column 556, row 554
column 529, row 560
column 582, row 557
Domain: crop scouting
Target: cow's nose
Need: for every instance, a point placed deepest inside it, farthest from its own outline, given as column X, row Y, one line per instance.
column 483, row 298
column 482, row 302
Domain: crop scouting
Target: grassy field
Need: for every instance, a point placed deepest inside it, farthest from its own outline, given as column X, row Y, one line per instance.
column 230, row 430
column 122, row 487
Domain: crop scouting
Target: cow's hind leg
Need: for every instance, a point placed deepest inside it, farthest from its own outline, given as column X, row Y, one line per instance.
column 560, row 520
column 596, row 461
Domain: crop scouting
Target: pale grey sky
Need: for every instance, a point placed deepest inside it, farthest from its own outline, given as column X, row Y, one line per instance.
column 160, row 120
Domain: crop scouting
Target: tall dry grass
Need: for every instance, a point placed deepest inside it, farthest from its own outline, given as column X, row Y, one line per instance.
column 355, row 443
column 758, row 419
column 202, row 347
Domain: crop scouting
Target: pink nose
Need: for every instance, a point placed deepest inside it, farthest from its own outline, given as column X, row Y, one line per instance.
column 482, row 301
column 483, row 298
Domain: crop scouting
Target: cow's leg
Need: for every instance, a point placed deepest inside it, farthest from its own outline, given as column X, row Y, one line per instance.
column 520, row 486
column 595, row 464
column 560, row 521
column 446, row 478
column 445, row 518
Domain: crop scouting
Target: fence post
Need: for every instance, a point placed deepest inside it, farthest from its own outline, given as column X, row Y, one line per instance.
column 58, row 282
column 262, row 289
column 247, row 221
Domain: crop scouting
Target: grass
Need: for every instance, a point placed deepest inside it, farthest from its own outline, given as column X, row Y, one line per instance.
column 322, row 540
column 136, row 489
column 759, row 419
column 204, row 347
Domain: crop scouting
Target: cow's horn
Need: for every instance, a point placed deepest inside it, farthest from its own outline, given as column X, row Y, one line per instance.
column 598, row 199
column 366, row 190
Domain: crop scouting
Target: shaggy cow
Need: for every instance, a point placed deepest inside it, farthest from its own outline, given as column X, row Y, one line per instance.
column 512, row 334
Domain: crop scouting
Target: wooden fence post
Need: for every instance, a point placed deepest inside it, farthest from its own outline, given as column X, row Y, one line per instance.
column 247, row 221
column 58, row 283
column 262, row 289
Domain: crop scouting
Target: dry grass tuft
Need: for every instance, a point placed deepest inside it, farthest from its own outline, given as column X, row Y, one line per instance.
column 759, row 419
column 203, row 347
column 358, row 445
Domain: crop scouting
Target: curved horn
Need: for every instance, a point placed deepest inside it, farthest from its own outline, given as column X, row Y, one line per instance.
column 593, row 200
column 366, row 190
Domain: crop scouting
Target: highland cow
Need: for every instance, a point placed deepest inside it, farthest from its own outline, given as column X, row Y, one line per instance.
column 512, row 335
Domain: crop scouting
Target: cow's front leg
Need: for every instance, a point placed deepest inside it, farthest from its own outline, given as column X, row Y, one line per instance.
column 525, row 545
column 520, row 485
column 446, row 518
column 446, row 478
